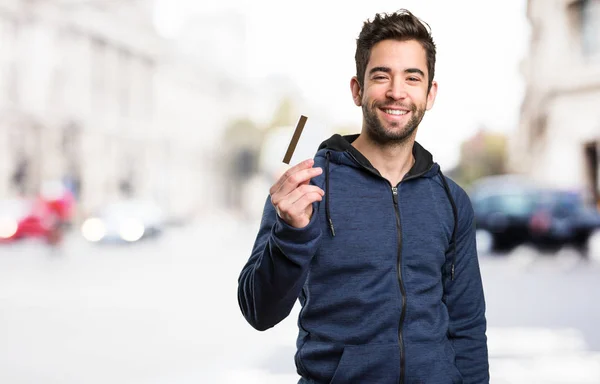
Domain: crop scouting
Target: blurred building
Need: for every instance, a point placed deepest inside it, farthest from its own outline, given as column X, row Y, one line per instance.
column 77, row 98
column 92, row 95
column 558, row 141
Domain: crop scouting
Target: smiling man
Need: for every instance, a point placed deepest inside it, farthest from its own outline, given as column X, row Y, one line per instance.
column 376, row 243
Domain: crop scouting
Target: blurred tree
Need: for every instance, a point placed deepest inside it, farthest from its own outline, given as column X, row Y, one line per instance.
column 239, row 158
column 348, row 129
column 286, row 114
column 482, row 155
column 242, row 132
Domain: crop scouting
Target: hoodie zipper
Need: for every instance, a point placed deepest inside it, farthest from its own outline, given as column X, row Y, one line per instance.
column 399, row 260
column 400, row 282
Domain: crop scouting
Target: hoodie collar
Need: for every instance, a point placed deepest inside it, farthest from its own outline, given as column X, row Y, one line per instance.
column 423, row 159
column 423, row 166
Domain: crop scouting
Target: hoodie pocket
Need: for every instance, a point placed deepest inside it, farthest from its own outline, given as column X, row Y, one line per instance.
column 450, row 356
column 371, row 363
column 432, row 363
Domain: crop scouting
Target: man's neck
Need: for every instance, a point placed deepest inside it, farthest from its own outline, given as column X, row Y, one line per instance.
column 392, row 161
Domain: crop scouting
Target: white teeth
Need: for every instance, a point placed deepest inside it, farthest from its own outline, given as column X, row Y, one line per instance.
column 395, row 112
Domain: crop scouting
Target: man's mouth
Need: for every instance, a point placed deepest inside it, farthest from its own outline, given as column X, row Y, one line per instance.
column 395, row 112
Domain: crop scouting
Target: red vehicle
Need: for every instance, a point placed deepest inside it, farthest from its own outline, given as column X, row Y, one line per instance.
column 22, row 218
column 34, row 218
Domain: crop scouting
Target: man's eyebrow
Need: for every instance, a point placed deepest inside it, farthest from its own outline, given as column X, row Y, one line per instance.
column 380, row 69
column 414, row 70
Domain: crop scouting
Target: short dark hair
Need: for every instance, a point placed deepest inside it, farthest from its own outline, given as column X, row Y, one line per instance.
column 401, row 25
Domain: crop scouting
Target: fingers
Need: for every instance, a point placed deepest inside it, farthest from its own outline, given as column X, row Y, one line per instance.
column 298, row 174
column 286, row 202
column 299, row 213
column 304, row 202
column 293, row 195
column 297, row 179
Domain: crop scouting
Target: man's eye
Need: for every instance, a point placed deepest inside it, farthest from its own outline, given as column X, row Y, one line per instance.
column 414, row 79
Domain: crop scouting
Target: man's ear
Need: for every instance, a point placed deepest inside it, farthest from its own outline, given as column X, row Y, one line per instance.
column 431, row 95
column 356, row 91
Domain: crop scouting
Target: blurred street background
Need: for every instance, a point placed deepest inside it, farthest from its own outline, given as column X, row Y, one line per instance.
column 139, row 138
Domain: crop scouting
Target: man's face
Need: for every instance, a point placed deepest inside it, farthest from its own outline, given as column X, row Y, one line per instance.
column 394, row 97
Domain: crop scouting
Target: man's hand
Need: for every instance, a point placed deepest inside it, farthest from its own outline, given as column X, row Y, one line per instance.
column 292, row 195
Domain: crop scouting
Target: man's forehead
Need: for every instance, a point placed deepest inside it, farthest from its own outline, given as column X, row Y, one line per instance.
column 403, row 48
column 397, row 55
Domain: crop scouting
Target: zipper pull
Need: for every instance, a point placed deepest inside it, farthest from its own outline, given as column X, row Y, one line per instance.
column 395, row 195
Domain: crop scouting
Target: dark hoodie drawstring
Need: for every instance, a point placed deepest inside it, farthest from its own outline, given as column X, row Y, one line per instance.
column 327, row 212
column 455, row 213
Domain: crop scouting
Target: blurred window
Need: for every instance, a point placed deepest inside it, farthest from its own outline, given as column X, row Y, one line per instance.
column 590, row 27
column 516, row 204
column 481, row 205
column 511, row 204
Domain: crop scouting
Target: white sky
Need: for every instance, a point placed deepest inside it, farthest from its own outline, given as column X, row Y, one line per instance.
column 480, row 45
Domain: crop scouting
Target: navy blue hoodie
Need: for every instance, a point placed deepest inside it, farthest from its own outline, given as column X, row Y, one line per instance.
column 387, row 276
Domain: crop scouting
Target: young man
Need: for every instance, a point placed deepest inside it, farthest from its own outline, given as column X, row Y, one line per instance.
column 376, row 243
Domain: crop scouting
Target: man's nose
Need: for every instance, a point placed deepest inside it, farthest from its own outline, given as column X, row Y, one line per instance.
column 396, row 90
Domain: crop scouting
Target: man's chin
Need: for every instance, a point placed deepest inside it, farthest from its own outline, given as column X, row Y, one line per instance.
column 389, row 137
column 397, row 134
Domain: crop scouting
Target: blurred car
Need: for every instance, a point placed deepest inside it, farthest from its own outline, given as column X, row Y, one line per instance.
column 563, row 218
column 22, row 218
column 512, row 210
column 126, row 221
column 503, row 206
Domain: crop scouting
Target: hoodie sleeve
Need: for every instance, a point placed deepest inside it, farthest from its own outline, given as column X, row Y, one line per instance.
column 273, row 277
column 465, row 301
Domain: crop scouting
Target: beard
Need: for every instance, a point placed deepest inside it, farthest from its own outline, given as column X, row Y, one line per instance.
column 395, row 133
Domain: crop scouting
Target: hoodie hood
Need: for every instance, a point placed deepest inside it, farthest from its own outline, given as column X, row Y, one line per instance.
column 423, row 166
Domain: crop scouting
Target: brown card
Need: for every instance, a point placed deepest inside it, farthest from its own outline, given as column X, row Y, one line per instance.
column 295, row 138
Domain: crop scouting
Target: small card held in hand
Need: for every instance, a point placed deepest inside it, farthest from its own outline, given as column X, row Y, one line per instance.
column 295, row 138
